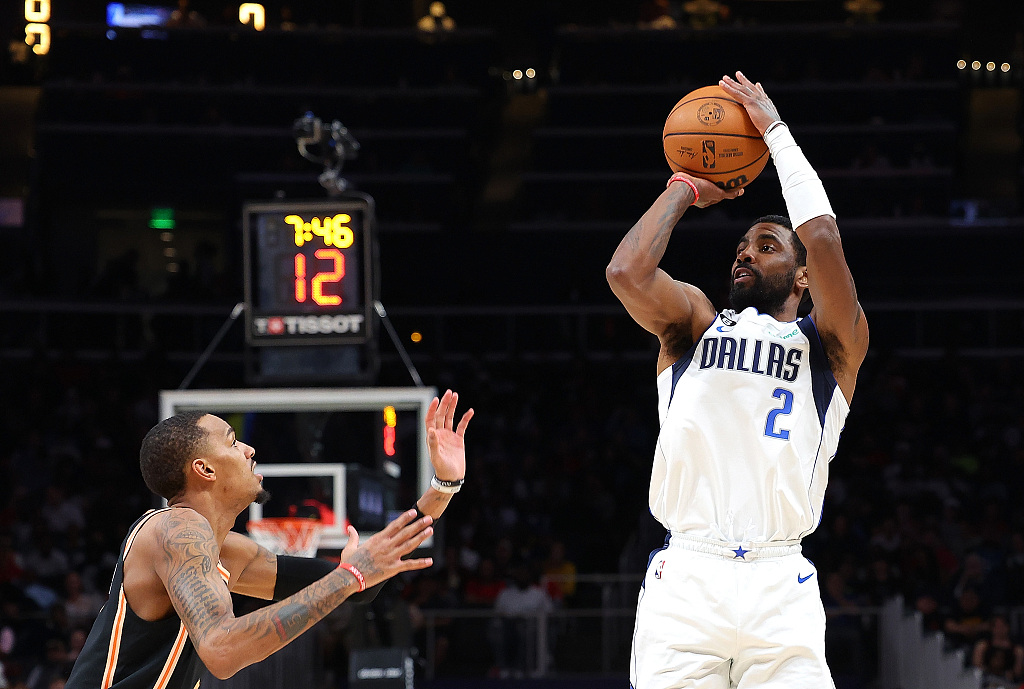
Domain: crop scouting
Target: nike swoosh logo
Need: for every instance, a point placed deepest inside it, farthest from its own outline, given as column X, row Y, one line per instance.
column 800, row 579
column 720, row 328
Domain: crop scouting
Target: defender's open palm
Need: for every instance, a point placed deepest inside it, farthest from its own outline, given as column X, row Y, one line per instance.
column 380, row 556
column 752, row 97
column 445, row 440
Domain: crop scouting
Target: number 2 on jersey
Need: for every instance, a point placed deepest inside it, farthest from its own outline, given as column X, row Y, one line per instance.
column 787, row 406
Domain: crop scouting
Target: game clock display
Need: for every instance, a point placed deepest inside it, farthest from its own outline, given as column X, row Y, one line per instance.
column 308, row 271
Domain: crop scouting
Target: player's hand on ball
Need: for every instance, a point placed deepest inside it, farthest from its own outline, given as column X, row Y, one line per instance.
column 710, row 193
column 752, row 97
column 446, row 441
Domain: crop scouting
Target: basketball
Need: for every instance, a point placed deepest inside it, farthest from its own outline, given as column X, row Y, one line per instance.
column 710, row 135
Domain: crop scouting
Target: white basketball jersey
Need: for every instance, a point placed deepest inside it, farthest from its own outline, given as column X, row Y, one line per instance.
column 750, row 419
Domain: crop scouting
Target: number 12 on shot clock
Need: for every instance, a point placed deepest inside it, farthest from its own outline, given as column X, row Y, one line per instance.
column 332, row 276
column 308, row 270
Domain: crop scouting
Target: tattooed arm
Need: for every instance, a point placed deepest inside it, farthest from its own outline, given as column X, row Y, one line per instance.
column 187, row 566
column 676, row 312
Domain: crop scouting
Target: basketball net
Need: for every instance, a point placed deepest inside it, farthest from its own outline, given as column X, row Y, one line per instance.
column 287, row 535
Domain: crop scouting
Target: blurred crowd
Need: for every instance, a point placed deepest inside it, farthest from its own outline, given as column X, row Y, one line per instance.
column 430, row 15
column 921, row 503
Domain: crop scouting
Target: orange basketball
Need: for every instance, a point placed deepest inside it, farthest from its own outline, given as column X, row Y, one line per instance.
column 710, row 135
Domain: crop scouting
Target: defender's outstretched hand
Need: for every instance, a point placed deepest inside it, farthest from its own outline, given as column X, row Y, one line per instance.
column 752, row 97
column 380, row 556
column 445, row 440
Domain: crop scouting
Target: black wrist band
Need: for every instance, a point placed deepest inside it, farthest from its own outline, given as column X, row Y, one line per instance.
column 296, row 573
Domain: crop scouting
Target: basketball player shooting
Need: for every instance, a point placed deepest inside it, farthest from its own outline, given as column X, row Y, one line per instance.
column 751, row 402
column 170, row 612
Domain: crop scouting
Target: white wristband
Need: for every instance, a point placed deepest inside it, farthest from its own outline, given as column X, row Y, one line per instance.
column 801, row 188
column 446, row 486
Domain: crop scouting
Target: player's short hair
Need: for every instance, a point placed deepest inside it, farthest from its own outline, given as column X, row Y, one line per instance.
column 167, row 449
column 798, row 246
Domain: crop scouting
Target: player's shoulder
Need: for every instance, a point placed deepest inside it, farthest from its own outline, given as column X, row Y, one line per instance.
column 175, row 525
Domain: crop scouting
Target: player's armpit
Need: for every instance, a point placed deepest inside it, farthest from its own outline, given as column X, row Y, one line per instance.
column 677, row 312
column 253, row 568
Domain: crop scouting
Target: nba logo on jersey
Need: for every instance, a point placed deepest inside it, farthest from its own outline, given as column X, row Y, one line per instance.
column 657, row 572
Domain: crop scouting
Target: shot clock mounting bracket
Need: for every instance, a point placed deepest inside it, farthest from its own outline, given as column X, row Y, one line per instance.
column 335, row 144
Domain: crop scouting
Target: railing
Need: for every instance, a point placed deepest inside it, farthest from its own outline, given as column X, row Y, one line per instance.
column 914, row 659
column 535, row 632
column 602, row 651
column 489, row 333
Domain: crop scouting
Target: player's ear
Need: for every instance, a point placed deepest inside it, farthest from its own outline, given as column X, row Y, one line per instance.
column 801, row 278
column 202, row 469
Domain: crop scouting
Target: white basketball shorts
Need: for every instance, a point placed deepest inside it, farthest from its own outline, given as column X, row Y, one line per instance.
column 731, row 616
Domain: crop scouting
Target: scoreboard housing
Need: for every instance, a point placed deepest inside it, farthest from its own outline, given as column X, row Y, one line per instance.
column 308, row 268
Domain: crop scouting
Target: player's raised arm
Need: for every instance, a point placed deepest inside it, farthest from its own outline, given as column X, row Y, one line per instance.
column 447, row 446
column 674, row 311
column 257, row 572
column 187, row 565
column 837, row 314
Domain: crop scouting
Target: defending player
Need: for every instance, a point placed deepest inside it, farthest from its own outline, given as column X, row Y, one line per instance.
column 751, row 403
column 170, row 611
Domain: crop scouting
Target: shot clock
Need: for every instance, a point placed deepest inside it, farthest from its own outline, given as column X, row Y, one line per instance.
column 308, row 271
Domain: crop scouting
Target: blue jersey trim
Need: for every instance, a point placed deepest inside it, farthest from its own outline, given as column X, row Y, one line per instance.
column 823, row 382
column 683, row 363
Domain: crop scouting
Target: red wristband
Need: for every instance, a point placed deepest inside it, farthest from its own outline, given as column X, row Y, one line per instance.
column 679, row 178
column 354, row 572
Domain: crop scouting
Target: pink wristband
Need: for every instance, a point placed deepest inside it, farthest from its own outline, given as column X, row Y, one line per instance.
column 679, row 178
column 354, row 572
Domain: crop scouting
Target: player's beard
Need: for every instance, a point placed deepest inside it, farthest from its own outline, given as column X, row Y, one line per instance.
column 766, row 294
column 262, row 497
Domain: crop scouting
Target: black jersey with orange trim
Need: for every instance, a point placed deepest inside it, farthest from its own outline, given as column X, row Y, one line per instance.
column 124, row 651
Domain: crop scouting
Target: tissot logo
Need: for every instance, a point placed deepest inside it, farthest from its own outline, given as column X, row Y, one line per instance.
column 308, row 325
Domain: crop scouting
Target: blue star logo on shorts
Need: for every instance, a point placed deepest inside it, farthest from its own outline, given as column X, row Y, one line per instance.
column 741, row 554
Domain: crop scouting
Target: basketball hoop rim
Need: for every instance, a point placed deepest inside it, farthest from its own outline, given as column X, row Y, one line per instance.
column 287, row 535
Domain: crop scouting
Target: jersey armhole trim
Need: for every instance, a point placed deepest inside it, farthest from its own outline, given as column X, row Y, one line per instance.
column 682, row 363
column 817, row 344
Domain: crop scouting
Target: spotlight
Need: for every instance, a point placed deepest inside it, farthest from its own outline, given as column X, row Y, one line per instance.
column 416, row 336
column 517, row 74
column 1005, row 67
column 975, row 65
column 990, row 66
column 531, row 73
column 961, row 64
